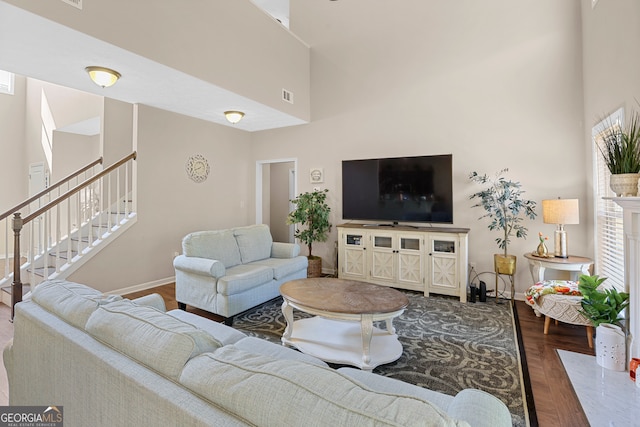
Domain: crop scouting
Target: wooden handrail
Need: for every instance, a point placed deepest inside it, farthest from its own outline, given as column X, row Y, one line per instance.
column 51, row 188
column 77, row 188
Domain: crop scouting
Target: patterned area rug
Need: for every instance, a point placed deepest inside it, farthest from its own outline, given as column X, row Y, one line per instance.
column 448, row 346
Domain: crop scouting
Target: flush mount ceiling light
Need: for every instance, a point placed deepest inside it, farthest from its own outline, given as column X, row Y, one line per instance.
column 102, row 76
column 234, row 116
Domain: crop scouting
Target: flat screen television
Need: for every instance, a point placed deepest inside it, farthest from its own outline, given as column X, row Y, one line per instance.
column 407, row 189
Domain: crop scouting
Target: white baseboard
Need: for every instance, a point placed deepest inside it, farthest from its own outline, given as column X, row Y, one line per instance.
column 143, row 286
column 329, row 272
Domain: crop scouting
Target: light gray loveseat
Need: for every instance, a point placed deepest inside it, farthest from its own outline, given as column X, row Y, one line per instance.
column 113, row 362
column 230, row 271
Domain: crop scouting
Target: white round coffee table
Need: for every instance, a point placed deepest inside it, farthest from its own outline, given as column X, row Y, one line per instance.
column 342, row 331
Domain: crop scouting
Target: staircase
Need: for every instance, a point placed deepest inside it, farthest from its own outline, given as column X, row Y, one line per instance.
column 68, row 229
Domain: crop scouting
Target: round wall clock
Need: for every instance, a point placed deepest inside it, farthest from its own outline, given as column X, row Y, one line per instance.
column 197, row 168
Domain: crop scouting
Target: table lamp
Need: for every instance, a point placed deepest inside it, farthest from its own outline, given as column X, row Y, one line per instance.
column 560, row 212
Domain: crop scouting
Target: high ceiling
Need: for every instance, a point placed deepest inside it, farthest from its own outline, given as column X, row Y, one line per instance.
column 35, row 47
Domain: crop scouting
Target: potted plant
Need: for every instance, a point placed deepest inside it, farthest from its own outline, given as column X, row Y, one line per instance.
column 506, row 208
column 620, row 149
column 312, row 212
column 602, row 306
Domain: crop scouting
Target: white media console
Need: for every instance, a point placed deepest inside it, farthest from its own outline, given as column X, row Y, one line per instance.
column 425, row 259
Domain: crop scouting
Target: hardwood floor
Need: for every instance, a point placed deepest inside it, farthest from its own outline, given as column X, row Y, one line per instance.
column 556, row 404
column 554, row 399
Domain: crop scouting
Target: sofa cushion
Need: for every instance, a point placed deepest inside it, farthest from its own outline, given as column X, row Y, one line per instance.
column 254, row 242
column 153, row 338
column 291, row 392
column 284, row 267
column 381, row 383
column 257, row 345
column 70, row 301
column 220, row 245
column 241, row 278
column 224, row 334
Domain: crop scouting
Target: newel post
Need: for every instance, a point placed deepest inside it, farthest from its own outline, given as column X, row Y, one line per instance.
column 16, row 286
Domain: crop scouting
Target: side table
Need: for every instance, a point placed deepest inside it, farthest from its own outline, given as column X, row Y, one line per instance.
column 575, row 264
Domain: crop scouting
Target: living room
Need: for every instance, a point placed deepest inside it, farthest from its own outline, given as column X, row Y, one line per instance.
column 510, row 91
column 497, row 84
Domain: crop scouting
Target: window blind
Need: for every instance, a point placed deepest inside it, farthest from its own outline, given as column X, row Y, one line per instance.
column 609, row 235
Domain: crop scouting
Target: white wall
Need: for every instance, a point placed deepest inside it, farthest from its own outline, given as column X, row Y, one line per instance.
column 611, row 32
column 117, row 131
column 496, row 83
column 65, row 107
column 12, row 116
column 170, row 205
column 12, row 111
column 73, row 152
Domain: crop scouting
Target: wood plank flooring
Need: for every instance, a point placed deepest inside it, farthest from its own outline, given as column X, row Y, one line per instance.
column 555, row 401
column 556, row 404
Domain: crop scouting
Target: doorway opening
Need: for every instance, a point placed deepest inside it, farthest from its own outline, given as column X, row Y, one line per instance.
column 276, row 185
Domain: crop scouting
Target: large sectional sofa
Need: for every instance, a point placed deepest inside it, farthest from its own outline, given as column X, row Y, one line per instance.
column 230, row 271
column 110, row 361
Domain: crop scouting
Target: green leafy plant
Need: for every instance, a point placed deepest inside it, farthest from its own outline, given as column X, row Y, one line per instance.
column 620, row 147
column 504, row 205
column 312, row 212
column 601, row 305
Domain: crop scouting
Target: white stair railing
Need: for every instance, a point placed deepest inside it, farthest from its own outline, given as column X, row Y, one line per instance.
column 69, row 227
column 31, row 204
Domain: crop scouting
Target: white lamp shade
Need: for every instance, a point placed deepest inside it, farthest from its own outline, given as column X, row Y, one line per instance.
column 103, row 77
column 561, row 211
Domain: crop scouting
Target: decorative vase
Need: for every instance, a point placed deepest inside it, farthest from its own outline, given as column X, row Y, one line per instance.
column 610, row 347
column 542, row 249
column 624, row 184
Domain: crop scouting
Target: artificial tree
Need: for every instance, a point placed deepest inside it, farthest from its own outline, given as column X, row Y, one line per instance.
column 312, row 213
column 504, row 205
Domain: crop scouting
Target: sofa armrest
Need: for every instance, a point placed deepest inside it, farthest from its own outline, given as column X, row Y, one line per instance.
column 284, row 250
column 201, row 266
column 480, row 409
column 152, row 300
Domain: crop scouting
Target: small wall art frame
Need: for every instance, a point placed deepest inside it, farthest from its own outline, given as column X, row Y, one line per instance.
column 316, row 175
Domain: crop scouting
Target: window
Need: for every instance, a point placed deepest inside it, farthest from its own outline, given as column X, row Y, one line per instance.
column 609, row 236
column 6, row 82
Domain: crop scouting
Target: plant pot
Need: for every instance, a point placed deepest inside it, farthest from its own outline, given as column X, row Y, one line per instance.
column 624, row 184
column 610, row 347
column 315, row 266
column 504, row 264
